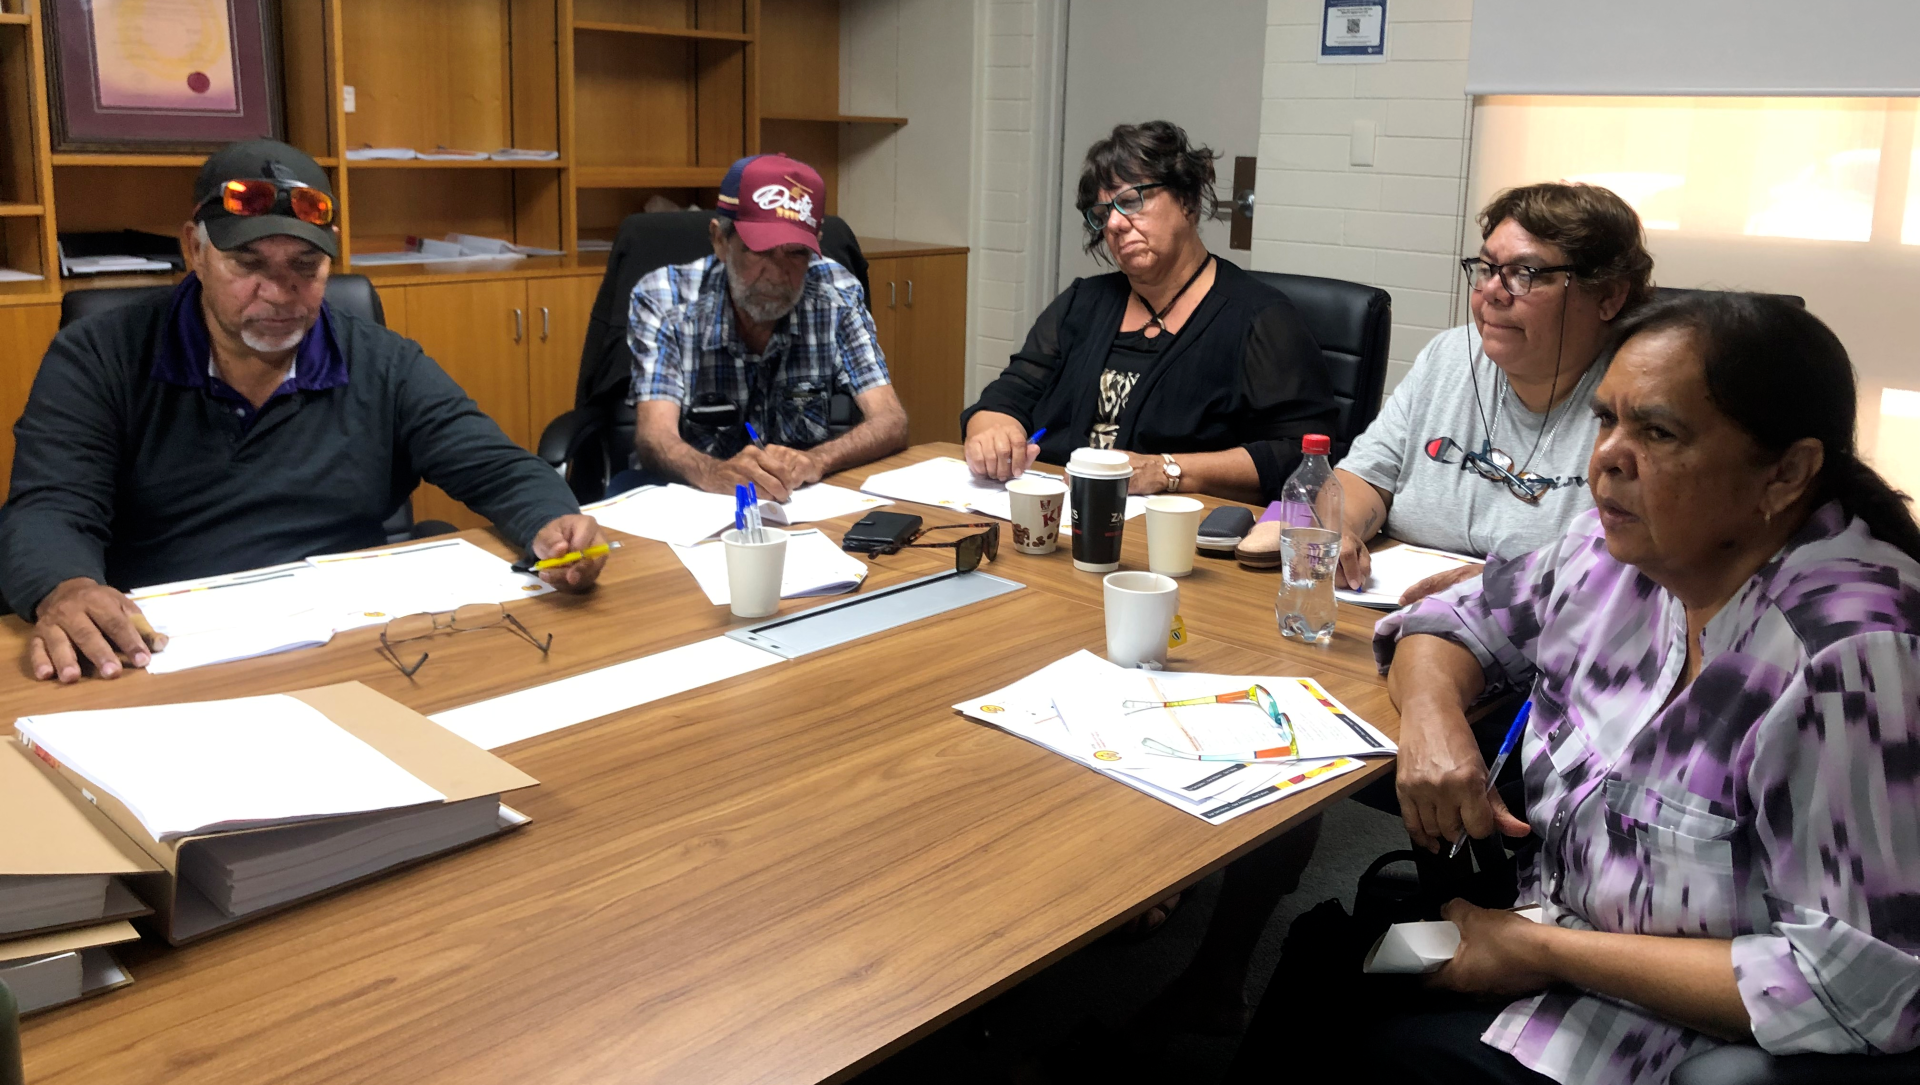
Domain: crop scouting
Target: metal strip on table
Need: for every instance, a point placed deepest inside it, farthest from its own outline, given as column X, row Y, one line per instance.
column 874, row 612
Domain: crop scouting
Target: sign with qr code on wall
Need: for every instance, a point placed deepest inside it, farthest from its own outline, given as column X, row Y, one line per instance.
column 1354, row 32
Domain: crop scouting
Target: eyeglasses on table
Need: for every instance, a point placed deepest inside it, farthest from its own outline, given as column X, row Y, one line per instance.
column 472, row 618
column 967, row 551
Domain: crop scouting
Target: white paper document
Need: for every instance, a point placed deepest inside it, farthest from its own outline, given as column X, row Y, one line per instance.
column 815, row 566
column 681, row 515
column 537, row 711
column 376, row 154
column 1425, row 946
column 947, row 482
column 217, row 765
column 1077, row 707
column 221, row 618
column 302, row 604
column 1397, row 568
column 373, row 587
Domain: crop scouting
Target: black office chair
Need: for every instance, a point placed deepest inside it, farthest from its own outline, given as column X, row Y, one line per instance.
column 348, row 293
column 1744, row 1064
column 594, row 442
column 1352, row 323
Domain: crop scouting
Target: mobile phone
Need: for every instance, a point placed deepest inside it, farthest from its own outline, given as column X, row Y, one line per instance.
column 880, row 532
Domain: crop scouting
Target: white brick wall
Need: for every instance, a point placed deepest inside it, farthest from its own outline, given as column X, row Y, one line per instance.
column 1395, row 224
column 1011, row 268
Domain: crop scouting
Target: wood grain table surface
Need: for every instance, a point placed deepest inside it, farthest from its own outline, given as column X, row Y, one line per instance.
column 779, row 878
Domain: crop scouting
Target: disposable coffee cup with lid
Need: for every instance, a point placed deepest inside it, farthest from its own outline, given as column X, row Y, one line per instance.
column 1097, row 491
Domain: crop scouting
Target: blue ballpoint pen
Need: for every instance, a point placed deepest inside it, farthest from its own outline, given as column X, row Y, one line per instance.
column 740, row 509
column 754, row 436
column 1037, row 434
column 1500, row 760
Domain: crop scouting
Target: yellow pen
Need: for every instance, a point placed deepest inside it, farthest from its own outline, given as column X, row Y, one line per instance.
column 597, row 550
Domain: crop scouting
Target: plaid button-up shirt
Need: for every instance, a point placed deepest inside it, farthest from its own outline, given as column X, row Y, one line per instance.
column 1771, row 801
column 680, row 327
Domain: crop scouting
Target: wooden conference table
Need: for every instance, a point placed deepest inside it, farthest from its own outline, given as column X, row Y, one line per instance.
column 779, row 878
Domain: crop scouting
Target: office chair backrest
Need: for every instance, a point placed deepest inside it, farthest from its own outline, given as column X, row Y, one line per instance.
column 650, row 240
column 352, row 294
column 347, row 293
column 1352, row 323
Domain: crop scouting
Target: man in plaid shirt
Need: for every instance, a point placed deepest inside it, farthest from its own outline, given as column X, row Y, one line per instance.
column 736, row 356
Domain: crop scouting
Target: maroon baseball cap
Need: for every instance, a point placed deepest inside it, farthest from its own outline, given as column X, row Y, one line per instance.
column 773, row 200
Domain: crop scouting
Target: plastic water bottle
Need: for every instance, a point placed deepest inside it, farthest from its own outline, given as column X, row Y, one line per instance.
column 1310, row 507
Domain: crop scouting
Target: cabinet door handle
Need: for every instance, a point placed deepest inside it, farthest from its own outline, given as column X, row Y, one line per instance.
column 893, row 293
column 518, row 326
column 909, row 293
column 545, row 329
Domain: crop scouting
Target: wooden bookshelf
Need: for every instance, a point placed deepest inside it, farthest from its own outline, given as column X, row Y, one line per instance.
column 640, row 98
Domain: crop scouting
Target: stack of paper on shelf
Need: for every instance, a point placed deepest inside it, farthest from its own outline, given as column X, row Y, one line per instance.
column 292, row 794
column 815, row 566
column 1397, row 568
column 62, row 863
column 302, row 604
column 681, row 515
column 948, row 483
column 1184, row 756
column 49, row 970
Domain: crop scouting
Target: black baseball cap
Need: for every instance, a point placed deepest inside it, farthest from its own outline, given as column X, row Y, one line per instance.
column 268, row 158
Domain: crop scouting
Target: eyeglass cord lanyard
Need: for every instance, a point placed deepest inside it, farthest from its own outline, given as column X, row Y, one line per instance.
column 1158, row 319
column 1550, row 423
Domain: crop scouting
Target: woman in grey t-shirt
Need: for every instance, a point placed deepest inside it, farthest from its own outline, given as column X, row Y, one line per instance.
column 1482, row 449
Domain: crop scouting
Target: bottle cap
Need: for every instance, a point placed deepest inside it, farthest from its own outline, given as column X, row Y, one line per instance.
column 1316, row 444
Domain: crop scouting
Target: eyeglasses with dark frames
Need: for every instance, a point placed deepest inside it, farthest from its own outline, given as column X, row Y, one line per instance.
column 1128, row 201
column 967, row 551
column 1491, row 463
column 468, row 619
column 1517, row 278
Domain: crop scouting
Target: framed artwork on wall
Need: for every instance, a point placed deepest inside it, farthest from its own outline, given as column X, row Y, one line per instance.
column 162, row 75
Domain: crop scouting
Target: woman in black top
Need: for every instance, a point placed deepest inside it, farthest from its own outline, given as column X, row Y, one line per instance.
column 1205, row 377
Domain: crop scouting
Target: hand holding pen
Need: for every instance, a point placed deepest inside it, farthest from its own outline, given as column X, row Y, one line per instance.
column 998, row 446
column 1499, row 762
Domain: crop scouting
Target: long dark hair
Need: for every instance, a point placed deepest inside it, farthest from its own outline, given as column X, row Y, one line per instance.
column 1782, row 375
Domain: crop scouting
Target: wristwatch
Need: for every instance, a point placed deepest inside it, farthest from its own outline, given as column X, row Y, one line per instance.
column 1173, row 473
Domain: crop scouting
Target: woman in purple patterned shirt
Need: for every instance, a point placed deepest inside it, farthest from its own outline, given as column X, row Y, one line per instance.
column 1723, row 762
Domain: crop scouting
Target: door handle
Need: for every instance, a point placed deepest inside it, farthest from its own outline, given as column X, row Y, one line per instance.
column 893, row 293
column 544, row 327
column 518, row 328
column 909, row 293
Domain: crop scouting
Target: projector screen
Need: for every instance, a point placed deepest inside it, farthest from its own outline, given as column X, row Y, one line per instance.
column 1832, row 48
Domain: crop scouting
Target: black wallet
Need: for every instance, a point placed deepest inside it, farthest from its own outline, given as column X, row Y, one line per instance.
column 1223, row 529
column 880, row 533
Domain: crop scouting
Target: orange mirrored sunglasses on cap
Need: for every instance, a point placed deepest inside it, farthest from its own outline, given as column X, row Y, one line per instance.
column 249, row 197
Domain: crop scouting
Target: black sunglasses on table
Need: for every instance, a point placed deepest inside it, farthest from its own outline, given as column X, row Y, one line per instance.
column 967, row 551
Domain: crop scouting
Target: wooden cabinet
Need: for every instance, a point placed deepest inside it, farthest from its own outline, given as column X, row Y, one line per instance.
column 920, row 315
column 25, row 331
column 557, row 313
column 512, row 344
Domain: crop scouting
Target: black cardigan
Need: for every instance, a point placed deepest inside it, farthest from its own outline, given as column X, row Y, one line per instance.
column 1243, row 371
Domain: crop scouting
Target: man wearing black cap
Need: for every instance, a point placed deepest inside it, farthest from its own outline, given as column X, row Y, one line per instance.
column 240, row 422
